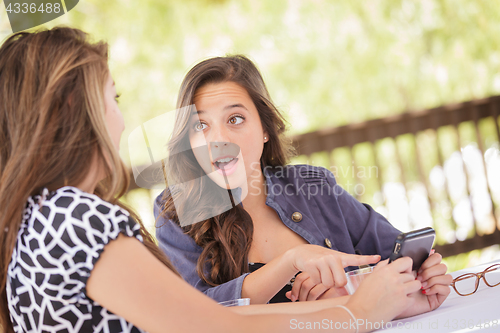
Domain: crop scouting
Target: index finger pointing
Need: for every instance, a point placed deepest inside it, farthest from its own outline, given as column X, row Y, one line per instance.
column 358, row 260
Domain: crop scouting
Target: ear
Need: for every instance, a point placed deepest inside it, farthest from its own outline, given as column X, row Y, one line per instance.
column 266, row 136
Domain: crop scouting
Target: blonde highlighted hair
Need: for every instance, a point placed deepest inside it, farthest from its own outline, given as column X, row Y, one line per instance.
column 51, row 126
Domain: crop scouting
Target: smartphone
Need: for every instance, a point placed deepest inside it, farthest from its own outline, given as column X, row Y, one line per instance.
column 416, row 244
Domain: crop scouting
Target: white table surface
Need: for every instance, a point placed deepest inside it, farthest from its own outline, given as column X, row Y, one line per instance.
column 458, row 314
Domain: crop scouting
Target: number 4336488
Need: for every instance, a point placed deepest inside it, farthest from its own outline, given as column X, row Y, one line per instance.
column 33, row 8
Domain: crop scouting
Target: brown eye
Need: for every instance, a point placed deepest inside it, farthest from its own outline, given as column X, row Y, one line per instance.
column 199, row 127
column 236, row 120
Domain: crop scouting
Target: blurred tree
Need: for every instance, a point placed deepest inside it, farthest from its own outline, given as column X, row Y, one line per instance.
column 326, row 63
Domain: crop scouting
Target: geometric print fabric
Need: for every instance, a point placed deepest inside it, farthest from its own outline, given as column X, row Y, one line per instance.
column 61, row 238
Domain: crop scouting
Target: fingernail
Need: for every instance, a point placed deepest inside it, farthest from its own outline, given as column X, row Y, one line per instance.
column 419, row 278
column 424, row 292
column 424, row 284
column 294, row 298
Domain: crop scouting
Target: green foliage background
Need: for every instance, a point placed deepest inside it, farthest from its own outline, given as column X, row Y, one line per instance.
column 326, row 63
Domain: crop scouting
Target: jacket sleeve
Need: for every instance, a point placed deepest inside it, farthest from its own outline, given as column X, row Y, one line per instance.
column 183, row 252
column 370, row 232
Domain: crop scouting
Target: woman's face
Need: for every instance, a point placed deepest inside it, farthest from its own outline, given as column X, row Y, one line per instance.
column 228, row 124
column 114, row 117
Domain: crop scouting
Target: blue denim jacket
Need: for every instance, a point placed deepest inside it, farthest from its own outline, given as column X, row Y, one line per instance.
column 329, row 216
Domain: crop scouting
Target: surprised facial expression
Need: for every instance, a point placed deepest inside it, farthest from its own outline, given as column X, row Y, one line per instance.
column 228, row 123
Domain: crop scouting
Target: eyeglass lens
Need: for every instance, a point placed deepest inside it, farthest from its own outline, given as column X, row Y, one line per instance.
column 492, row 276
column 467, row 283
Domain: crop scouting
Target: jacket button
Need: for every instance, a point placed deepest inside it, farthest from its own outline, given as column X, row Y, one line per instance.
column 296, row 217
column 328, row 243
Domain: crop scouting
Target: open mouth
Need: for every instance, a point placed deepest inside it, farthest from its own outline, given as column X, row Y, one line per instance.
column 225, row 163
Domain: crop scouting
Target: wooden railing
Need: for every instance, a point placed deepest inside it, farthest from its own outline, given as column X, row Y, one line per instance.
column 371, row 131
column 413, row 123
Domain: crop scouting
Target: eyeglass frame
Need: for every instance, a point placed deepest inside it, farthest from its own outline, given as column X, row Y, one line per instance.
column 478, row 279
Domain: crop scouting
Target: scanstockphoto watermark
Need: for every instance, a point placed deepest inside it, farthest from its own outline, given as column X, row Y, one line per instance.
column 328, row 324
column 435, row 324
column 309, row 190
column 357, row 172
column 315, row 180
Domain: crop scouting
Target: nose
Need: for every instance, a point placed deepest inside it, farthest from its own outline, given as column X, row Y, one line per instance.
column 218, row 137
column 220, row 144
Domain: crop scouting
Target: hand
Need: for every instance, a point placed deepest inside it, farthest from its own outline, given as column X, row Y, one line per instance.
column 384, row 294
column 323, row 267
column 308, row 291
column 435, row 286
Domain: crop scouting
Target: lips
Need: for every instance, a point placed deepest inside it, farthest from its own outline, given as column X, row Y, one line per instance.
column 224, row 163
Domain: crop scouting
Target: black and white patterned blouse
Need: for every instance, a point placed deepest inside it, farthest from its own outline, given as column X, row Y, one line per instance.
column 61, row 238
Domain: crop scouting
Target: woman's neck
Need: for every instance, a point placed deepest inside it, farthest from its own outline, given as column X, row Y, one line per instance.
column 94, row 176
column 87, row 186
column 257, row 191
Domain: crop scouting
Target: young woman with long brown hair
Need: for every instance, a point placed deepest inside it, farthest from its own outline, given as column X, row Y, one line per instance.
column 280, row 219
column 72, row 258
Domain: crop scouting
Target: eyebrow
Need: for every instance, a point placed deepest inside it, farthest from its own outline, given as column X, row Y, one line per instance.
column 237, row 105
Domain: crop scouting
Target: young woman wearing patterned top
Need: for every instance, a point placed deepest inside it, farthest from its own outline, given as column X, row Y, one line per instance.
column 72, row 257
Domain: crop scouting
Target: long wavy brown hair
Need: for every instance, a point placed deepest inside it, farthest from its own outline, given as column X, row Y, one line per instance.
column 51, row 124
column 225, row 238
